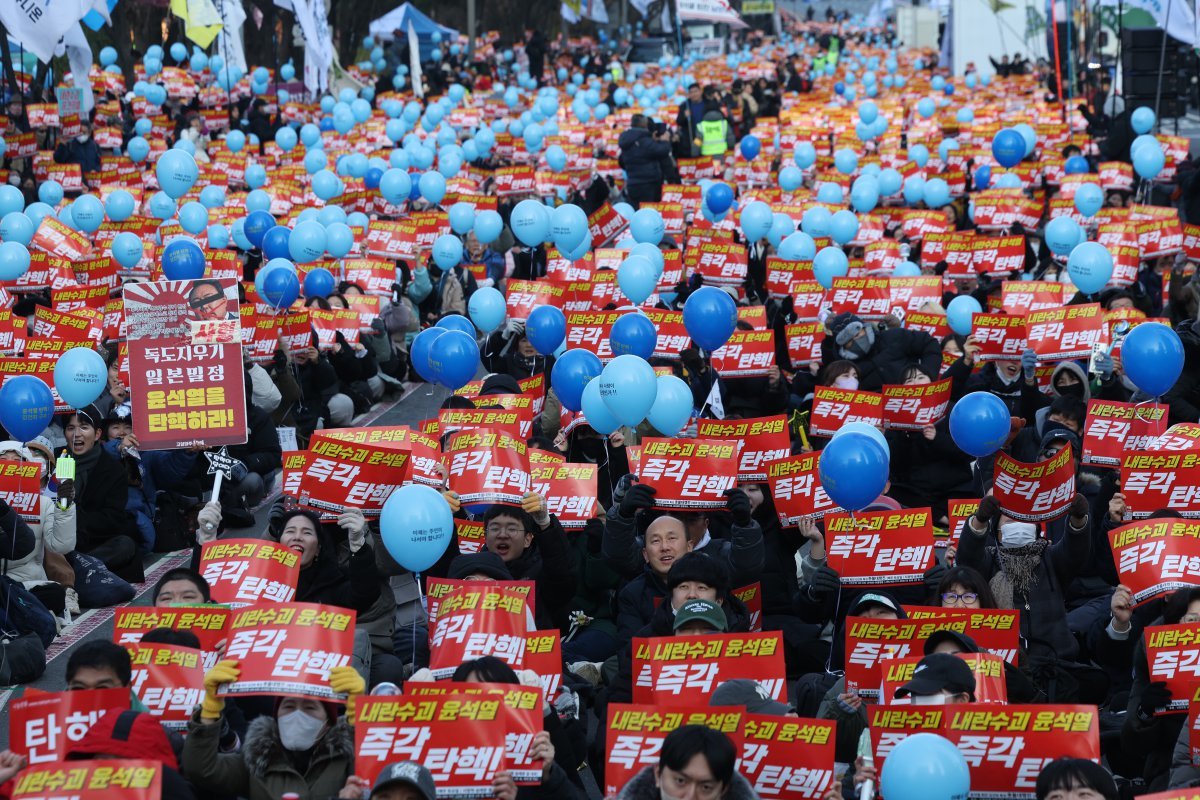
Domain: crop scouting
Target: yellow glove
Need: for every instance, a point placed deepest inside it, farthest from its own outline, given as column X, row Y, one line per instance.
column 452, row 499
column 346, row 680
column 223, row 672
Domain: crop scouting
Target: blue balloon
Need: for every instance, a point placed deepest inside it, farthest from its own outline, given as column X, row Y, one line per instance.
column 454, row 358
column 51, row 192
column 127, row 249
column 864, row 194
column 1152, row 357
column 925, row 766
column 275, row 243
column 1089, row 198
column 633, row 334
column 815, row 221
column 218, row 237
column 530, row 222
column 718, row 198
column 256, row 226
column 14, row 261
column 672, row 407
column 486, row 309
column 829, row 263
column 914, row 189
column 457, row 322
column 326, row 185
column 637, row 278
column 1142, row 119
column 177, row 173
column 926, row 107
column 918, row 154
column 80, row 376
column 1008, row 147
column 710, row 316
column 1148, row 161
column 447, row 251
column 845, row 161
column 750, row 147
column 756, row 219
column 1062, row 234
column 488, row 226
column 395, row 186
column 88, row 213
column 980, row 424
column 843, row 227
column 420, row 350
column 1090, row 266
column 280, row 284
column 890, row 181
column 193, row 217
column 598, row 417
column 799, row 246
column 416, row 526
column 255, row 176
column 307, row 241
column 960, row 312
column 571, row 373
column 319, row 282
column 804, row 154
column 210, row 197
column 568, row 227
column 853, row 469
column 647, row 226
column 936, row 193
column 183, row 259
column 433, row 187
column 1076, row 165
column 16, row 227
column 339, row 239
column 546, row 329
column 790, row 178
column 26, row 406
column 628, row 387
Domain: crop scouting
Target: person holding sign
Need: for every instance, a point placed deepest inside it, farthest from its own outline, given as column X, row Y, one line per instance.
column 53, row 533
column 695, row 762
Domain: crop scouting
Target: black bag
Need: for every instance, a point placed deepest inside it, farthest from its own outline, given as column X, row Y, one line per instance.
column 173, row 523
column 95, row 584
column 22, row 659
column 21, row 613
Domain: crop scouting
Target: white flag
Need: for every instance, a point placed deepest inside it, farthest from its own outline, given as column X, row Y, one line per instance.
column 39, row 24
column 1174, row 16
column 229, row 42
column 714, row 402
column 318, row 46
column 79, row 56
column 414, row 61
column 575, row 10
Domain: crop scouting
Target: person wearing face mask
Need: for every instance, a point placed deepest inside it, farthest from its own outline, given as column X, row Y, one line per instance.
column 880, row 355
column 81, row 150
column 939, row 679
column 305, row 746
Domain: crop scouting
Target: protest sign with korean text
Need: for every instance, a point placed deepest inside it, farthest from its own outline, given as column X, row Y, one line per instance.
column 1173, row 657
column 689, row 474
column 1001, row 337
column 42, row 726
column 208, row 622
column 787, row 758
column 1058, row 334
column 891, row 724
column 636, row 733
column 880, row 548
column 569, row 491
column 476, row 621
column 341, row 474
column 917, row 406
column 833, row 407
column 747, row 354
column 96, row 779
column 684, row 670
column 21, row 488
column 990, row 686
column 244, row 571
column 763, row 439
column 169, row 680
column 1114, row 428
column 1035, row 492
column 1157, row 556
column 1155, row 480
column 796, row 488
column 289, row 648
column 487, row 466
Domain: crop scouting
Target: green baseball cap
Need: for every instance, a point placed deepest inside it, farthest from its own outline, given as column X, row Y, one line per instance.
column 707, row 612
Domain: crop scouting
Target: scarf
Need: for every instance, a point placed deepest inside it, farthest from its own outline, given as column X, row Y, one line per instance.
column 1018, row 570
column 84, row 464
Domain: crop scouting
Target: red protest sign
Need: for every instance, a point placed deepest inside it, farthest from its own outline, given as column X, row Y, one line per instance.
column 762, row 439
column 1157, row 556
column 1058, row 334
column 42, row 726
column 604, row 224
column 184, row 392
column 1007, row 747
column 721, row 263
column 522, row 297
column 437, row 589
column 475, row 621
column 796, row 489
column 21, row 488
column 785, row 278
column 99, row 779
column 1021, row 297
column 244, row 571
column 1155, row 480
column 868, row 298
column 1001, row 337
column 517, row 422
column 1035, row 492
column 684, row 670
column 996, row 631
column 688, row 474
column 872, row 641
column 913, row 294
column 590, row 330
column 915, row 407
column 341, row 474
column 1173, row 657
column 289, row 648
column 1115, row 428
column 470, row 536
column 210, row 624
column 804, row 343
column 636, row 733
column 458, row 738
column 990, row 686
column 880, row 548
column 790, row 758
column 832, row 408
column 569, row 491
column 891, row 724
column 55, row 238
column 747, row 354
column 751, row 596
column 958, row 511
column 424, row 458
column 672, row 335
column 169, row 680
column 487, row 466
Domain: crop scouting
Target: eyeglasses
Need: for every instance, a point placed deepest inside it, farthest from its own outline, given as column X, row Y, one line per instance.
column 950, row 598
column 511, row 530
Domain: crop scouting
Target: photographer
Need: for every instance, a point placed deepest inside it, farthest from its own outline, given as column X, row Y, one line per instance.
column 642, row 156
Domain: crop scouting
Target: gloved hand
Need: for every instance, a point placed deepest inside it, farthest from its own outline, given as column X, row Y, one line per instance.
column 208, row 522
column 640, row 496
column 535, row 506
column 989, row 509
column 738, row 504
column 824, row 582
column 622, row 487
column 594, row 531
column 1079, row 508
column 1156, row 696
column 1104, row 365
column 933, row 578
column 354, row 524
column 513, row 327
column 453, row 500
column 1029, row 364
column 346, row 680
column 223, row 672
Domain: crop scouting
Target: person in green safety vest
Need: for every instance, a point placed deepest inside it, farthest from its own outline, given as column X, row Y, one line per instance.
column 714, row 131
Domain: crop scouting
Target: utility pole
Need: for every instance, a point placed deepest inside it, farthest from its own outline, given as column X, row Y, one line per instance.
column 470, row 30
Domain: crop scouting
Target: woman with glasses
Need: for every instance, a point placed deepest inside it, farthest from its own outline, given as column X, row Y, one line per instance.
column 964, row 587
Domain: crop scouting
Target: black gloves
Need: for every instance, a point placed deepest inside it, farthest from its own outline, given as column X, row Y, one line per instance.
column 989, row 509
column 933, row 579
column 640, row 496
column 739, row 507
column 594, row 531
column 1156, row 696
column 824, row 582
column 622, row 487
column 1079, row 507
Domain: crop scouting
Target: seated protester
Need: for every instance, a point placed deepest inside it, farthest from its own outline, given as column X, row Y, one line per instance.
column 373, row 341
column 134, row 735
column 357, row 372
column 560, row 773
column 534, row 548
column 53, row 537
column 181, row 587
column 750, row 695
column 592, row 636
column 664, row 544
column 510, row 352
column 322, row 403
column 694, row 761
column 402, row 780
column 742, row 551
column 255, row 464
column 357, row 584
column 305, row 746
column 1076, row 779
column 104, row 528
column 945, row 640
column 1065, row 412
column 475, row 252
column 454, row 290
column 146, row 473
column 927, row 467
column 101, row 664
column 879, row 354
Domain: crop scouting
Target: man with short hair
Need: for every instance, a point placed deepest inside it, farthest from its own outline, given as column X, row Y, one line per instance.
column 642, row 154
column 182, row 587
column 98, row 664
column 695, row 763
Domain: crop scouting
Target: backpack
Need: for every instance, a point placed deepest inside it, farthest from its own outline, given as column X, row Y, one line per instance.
column 22, row 614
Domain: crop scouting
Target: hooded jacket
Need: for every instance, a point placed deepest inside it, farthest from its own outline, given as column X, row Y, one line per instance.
column 643, row 787
column 1022, row 399
column 895, row 350
column 264, row 770
column 134, row 734
column 641, row 156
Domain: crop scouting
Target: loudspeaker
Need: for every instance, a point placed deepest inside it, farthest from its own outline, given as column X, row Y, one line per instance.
column 1143, row 52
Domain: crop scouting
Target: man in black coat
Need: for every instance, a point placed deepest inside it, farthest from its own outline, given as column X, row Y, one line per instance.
column 642, row 154
column 881, row 355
